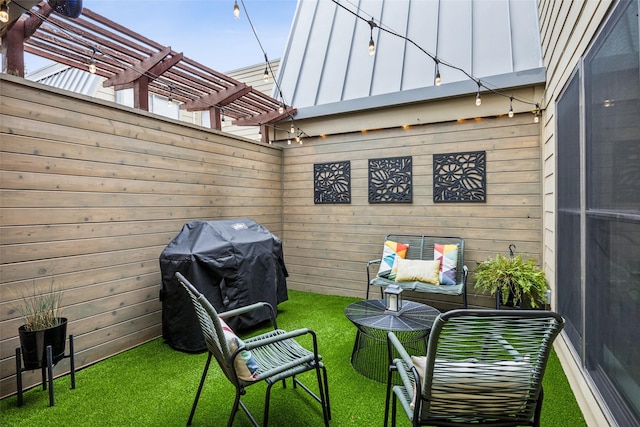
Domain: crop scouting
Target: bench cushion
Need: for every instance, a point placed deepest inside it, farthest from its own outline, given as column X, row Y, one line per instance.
column 420, row 286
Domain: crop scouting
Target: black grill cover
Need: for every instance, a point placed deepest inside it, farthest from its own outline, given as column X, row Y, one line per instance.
column 233, row 263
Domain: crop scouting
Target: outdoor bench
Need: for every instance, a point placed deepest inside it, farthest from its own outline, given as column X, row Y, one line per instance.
column 421, row 247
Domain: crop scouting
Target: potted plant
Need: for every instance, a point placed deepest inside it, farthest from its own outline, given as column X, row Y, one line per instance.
column 517, row 280
column 43, row 326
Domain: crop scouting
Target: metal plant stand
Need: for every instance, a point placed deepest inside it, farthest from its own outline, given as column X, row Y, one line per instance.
column 47, row 371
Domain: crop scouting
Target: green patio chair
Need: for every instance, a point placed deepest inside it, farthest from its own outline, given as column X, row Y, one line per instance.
column 482, row 367
column 269, row 357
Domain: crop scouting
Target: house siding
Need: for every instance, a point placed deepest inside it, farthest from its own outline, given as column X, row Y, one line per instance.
column 567, row 29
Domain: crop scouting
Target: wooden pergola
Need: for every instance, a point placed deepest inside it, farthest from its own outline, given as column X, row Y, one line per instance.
column 129, row 60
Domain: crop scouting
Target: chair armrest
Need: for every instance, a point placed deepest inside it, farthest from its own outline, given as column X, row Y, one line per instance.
column 403, row 366
column 374, row 261
column 369, row 263
column 251, row 307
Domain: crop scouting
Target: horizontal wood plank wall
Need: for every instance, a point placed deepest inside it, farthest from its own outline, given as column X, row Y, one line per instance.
column 327, row 245
column 91, row 193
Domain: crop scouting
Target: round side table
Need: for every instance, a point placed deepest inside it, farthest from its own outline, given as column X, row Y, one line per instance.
column 411, row 325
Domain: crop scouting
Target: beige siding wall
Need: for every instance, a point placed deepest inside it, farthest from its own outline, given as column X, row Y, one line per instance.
column 567, row 28
column 328, row 245
column 91, row 193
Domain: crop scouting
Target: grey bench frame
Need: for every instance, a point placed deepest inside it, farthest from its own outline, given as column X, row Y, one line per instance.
column 421, row 247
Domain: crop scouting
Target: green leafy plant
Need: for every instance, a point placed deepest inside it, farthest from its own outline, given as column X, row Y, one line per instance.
column 521, row 279
column 41, row 309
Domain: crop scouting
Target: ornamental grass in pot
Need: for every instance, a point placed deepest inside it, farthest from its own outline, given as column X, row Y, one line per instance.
column 518, row 281
column 43, row 326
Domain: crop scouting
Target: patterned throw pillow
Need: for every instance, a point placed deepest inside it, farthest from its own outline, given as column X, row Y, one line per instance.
column 245, row 364
column 448, row 256
column 390, row 255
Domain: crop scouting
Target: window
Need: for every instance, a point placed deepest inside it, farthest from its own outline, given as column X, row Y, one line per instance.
column 598, row 212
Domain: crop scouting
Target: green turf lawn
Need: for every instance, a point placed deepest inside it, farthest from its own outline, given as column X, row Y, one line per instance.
column 154, row 385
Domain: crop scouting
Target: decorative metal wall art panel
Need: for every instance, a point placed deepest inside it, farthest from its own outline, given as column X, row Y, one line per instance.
column 332, row 182
column 390, row 180
column 459, row 177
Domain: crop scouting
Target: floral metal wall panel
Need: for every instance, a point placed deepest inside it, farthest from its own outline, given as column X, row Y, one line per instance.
column 332, row 182
column 459, row 177
column 390, row 180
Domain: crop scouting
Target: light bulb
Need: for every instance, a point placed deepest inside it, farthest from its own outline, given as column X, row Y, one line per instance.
column 4, row 13
column 372, row 47
column 293, row 129
column 288, row 141
column 510, row 111
column 92, row 66
column 536, row 118
column 438, row 80
column 511, row 106
column 170, row 101
column 236, row 10
column 281, row 109
column 478, row 99
column 266, row 75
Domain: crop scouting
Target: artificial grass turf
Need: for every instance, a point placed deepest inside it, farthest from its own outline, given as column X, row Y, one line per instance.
column 154, row 385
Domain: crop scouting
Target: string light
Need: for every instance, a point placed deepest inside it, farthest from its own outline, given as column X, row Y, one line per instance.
column 281, row 108
column 236, row 10
column 511, row 106
column 92, row 61
column 266, row 74
column 478, row 98
column 170, row 98
column 372, row 45
column 4, row 13
column 438, row 80
column 293, row 128
column 536, row 117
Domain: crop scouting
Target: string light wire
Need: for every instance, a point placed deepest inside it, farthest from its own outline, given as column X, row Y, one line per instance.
column 434, row 58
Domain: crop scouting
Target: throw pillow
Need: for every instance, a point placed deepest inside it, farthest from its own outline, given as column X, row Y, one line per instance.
column 391, row 253
column 245, row 364
column 410, row 270
column 448, row 257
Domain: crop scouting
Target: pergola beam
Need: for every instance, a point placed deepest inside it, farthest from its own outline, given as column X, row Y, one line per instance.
column 218, row 99
column 127, row 59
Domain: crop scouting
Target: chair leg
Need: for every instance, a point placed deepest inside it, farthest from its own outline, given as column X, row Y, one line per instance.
column 393, row 411
column 326, row 391
column 324, row 395
column 267, row 400
column 536, row 414
column 388, row 398
column 195, row 402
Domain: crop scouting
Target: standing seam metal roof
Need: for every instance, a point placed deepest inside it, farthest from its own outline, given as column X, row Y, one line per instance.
column 326, row 67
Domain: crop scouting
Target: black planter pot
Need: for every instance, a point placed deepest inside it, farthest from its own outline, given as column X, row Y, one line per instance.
column 34, row 344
